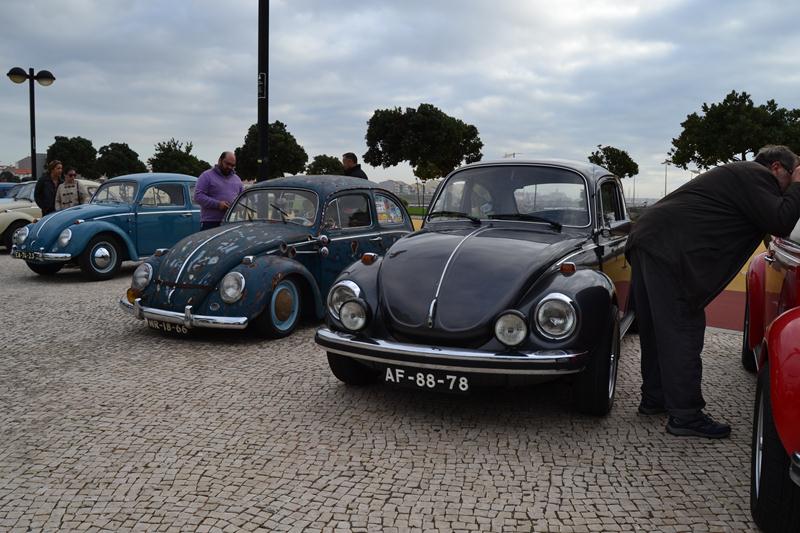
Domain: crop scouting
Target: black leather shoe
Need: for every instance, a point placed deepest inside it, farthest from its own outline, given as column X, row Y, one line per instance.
column 649, row 408
column 701, row 425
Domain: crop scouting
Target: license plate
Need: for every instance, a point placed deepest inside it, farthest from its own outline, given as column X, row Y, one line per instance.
column 167, row 327
column 24, row 255
column 427, row 379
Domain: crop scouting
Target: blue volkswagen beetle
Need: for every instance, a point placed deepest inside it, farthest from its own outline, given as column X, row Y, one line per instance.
column 273, row 259
column 128, row 218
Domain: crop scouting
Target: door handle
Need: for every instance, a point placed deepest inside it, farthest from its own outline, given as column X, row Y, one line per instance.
column 186, row 215
column 769, row 258
column 376, row 239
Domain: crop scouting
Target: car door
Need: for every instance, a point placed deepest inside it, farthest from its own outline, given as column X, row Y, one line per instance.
column 614, row 227
column 781, row 276
column 195, row 208
column 163, row 216
column 393, row 221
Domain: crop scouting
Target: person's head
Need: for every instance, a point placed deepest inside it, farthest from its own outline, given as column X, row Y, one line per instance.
column 70, row 174
column 780, row 161
column 349, row 160
column 54, row 168
column 227, row 163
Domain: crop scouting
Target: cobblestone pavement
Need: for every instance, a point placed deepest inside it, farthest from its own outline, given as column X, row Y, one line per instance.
column 105, row 425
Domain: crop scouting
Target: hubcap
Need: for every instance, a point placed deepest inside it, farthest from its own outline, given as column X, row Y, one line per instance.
column 102, row 257
column 284, row 304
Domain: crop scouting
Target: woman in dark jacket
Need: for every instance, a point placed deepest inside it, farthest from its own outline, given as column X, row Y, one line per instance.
column 46, row 187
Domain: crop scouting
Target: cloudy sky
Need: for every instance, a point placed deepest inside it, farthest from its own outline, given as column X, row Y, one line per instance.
column 537, row 78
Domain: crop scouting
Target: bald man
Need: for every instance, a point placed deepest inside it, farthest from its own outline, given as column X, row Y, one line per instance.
column 216, row 190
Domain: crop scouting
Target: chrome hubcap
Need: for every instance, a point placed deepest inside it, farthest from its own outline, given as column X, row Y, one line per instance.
column 102, row 257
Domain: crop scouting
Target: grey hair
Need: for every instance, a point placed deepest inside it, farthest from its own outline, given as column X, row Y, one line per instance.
column 776, row 152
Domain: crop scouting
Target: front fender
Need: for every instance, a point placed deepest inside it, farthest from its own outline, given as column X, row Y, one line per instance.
column 6, row 219
column 83, row 233
column 784, row 372
column 755, row 299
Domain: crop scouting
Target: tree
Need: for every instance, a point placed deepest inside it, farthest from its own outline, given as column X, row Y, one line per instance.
column 173, row 156
column 116, row 159
column 732, row 130
column 325, row 164
column 616, row 161
column 433, row 142
column 75, row 152
column 285, row 154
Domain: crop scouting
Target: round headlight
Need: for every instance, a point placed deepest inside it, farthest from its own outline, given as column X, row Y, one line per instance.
column 511, row 329
column 339, row 294
column 555, row 316
column 64, row 237
column 231, row 287
column 353, row 314
column 142, row 276
column 20, row 235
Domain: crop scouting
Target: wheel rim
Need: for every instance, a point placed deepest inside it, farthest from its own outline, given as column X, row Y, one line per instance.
column 103, row 257
column 284, row 306
column 613, row 363
column 759, row 445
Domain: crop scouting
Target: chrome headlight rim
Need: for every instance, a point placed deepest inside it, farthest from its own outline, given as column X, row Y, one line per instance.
column 564, row 299
column 231, row 277
column 20, row 234
column 136, row 282
column 356, row 304
column 333, row 307
column 64, row 237
column 514, row 315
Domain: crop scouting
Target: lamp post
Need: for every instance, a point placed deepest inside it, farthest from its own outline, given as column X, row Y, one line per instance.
column 45, row 78
column 666, row 163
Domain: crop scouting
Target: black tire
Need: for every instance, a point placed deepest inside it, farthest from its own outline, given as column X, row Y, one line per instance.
column 283, row 311
column 595, row 387
column 774, row 498
column 349, row 371
column 748, row 356
column 49, row 269
column 8, row 236
column 101, row 258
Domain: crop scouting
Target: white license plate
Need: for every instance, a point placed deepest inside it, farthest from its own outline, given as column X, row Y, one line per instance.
column 167, row 327
column 24, row 255
column 427, row 379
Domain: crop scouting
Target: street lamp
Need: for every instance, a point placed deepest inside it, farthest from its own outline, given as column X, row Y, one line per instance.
column 45, row 78
column 666, row 163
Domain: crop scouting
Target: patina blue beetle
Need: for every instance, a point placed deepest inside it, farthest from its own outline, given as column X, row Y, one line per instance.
column 273, row 259
column 128, row 218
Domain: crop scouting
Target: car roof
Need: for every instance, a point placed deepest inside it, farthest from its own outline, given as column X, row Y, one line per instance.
column 147, row 178
column 323, row 185
column 589, row 170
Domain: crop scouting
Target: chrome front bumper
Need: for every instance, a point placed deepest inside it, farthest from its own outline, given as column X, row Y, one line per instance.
column 185, row 319
column 540, row 362
column 41, row 256
column 794, row 468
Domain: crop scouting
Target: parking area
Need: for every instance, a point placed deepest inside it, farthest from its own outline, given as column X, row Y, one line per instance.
column 106, row 426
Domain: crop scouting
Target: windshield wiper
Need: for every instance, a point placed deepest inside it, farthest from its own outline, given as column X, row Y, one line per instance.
column 532, row 218
column 283, row 213
column 454, row 214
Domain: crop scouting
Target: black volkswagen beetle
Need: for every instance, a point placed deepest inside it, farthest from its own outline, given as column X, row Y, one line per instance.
column 518, row 274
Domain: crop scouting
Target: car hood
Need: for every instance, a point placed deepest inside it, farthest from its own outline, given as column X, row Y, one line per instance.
column 10, row 204
column 482, row 271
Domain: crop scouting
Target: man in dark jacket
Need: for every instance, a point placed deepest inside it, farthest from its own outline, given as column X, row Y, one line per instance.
column 684, row 251
column 351, row 166
column 44, row 194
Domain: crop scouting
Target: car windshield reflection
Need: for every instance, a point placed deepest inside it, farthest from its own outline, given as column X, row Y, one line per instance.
column 291, row 206
column 123, row 192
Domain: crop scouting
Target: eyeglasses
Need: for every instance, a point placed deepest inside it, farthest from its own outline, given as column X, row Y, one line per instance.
column 71, row 174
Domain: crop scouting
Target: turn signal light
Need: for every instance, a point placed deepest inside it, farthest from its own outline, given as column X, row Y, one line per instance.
column 568, row 268
column 369, row 258
column 131, row 294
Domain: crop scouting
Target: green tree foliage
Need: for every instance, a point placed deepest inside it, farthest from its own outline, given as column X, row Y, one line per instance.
column 285, row 154
column 117, row 159
column 325, row 164
column 75, row 152
column 174, row 156
column 433, row 142
column 734, row 130
column 616, row 161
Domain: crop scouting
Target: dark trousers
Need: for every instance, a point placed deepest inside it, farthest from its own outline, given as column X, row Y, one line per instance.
column 210, row 224
column 671, row 336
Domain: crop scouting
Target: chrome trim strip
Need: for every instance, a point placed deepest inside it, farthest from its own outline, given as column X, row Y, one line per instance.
column 794, row 468
column 573, row 254
column 785, row 257
column 450, row 259
column 185, row 319
column 188, row 257
column 363, row 235
column 45, row 220
column 167, row 212
column 381, row 352
column 112, row 216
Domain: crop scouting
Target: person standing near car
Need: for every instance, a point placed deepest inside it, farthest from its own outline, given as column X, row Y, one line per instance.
column 684, row 251
column 216, row 190
column 351, row 166
column 46, row 186
column 71, row 192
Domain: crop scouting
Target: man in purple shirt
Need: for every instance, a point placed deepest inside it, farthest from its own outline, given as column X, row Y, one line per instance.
column 216, row 190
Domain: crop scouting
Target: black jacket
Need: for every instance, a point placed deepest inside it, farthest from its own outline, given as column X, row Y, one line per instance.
column 45, row 194
column 356, row 172
column 706, row 230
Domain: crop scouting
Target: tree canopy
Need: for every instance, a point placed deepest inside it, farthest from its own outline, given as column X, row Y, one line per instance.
column 174, row 156
column 432, row 142
column 325, row 164
column 734, row 130
column 75, row 152
column 285, row 154
column 616, row 161
column 117, row 159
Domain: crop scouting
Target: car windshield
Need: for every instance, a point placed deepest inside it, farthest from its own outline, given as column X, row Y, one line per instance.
column 537, row 194
column 293, row 206
column 23, row 191
column 116, row 192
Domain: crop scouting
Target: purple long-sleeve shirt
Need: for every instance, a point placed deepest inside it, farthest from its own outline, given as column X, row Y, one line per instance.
column 214, row 187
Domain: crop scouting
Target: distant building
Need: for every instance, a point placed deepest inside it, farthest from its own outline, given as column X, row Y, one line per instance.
column 24, row 166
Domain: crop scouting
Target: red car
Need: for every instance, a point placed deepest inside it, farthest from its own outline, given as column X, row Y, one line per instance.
column 771, row 347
